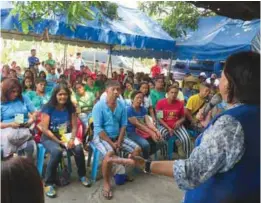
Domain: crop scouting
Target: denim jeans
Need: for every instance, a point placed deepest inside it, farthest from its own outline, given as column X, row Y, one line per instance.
column 55, row 151
column 143, row 143
column 84, row 117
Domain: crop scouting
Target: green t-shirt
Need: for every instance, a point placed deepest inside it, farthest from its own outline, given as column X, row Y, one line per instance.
column 127, row 94
column 51, row 62
column 156, row 96
column 85, row 102
column 38, row 101
column 94, row 90
column 99, row 85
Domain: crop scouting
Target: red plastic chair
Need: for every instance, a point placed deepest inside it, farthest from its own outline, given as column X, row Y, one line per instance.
column 38, row 133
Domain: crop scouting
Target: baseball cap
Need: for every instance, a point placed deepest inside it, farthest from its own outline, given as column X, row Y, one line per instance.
column 213, row 76
column 203, row 74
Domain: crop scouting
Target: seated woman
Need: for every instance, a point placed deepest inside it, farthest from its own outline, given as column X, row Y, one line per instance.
column 39, row 97
column 28, row 85
column 128, row 90
column 59, row 118
column 17, row 114
column 42, row 75
column 84, row 101
column 170, row 112
column 145, row 89
column 140, row 129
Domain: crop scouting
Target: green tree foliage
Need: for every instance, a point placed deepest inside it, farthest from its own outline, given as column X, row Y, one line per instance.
column 76, row 11
column 174, row 16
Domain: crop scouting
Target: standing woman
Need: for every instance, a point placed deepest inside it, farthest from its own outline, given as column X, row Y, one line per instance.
column 171, row 117
column 225, row 165
column 59, row 115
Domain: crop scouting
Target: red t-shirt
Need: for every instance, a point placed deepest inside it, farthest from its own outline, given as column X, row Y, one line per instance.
column 171, row 112
column 155, row 70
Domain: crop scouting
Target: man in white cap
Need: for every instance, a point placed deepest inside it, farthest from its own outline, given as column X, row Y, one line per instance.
column 201, row 78
column 213, row 81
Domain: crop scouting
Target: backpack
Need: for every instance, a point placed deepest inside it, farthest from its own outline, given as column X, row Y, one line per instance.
column 63, row 174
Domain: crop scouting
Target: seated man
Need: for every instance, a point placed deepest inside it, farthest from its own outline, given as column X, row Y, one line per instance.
column 110, row 121
column 194, row 104
column 188, row 90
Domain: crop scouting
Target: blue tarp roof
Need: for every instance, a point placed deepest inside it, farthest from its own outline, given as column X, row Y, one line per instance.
column 135, row 30
column 218, row 37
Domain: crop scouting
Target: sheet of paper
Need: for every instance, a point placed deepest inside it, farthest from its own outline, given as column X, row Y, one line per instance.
column 19, row 118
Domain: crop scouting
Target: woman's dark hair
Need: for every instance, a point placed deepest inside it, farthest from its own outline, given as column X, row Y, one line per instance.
column 134, row 94
column 242, row 71
column 21, row 181
column 29, row 71
column 145, row 83
column 8, row 85
column 40, row 80
column 172, row 87
column 53, row 100
column 42, row 72
column 23, row 83
column 128, row 82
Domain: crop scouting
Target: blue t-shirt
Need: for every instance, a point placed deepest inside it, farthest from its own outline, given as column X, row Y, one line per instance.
column 140, row 115
column 11, row 108
column 106, row 120
column 32, row 60
column 38, row 101
column 58, row 118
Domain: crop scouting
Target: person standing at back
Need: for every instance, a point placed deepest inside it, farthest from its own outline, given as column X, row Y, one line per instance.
column 156, row 69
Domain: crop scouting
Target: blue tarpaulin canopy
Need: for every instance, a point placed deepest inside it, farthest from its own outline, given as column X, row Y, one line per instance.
column 218, row 37
column 134, row 30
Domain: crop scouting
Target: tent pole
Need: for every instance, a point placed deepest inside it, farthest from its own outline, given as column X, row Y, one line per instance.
column 170, row 64
column 132, row 64
column 109, row 63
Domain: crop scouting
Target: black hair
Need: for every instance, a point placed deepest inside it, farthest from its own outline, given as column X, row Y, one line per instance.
column 23, row 83
column 62, row 76
column 205, row 84
column 134, row 94
column 42, row 72
column 112, row 83
column 21, row 181
column 78, row 54
column 242, row 71
column 53, row 100
column 145, row 83
column 40, row 80
column 172, row 87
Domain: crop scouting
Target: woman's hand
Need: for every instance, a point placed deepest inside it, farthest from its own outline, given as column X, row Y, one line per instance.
column 171, row 131
column 71, row 144
column 62, row 143
column 14, row 125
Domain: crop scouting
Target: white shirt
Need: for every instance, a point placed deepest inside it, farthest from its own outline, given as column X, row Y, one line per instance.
column 78, row 63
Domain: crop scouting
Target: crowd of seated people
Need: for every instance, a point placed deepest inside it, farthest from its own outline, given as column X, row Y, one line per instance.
column 130, row 112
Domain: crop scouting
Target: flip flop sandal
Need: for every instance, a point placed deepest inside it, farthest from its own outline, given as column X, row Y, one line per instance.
column 107, row 194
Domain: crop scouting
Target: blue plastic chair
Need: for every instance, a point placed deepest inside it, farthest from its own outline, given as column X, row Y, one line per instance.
column 40, row 159
column 95, row 162
column 171, row 142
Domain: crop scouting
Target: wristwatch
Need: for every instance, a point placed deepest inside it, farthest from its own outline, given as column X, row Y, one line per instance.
column 147, row 166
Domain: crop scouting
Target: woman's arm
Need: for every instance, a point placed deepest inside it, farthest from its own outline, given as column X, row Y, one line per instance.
column 9, row 125
column 150, row 124
column 134, row 121
column 44, row 127
column 74, row 126
column 152, row 114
